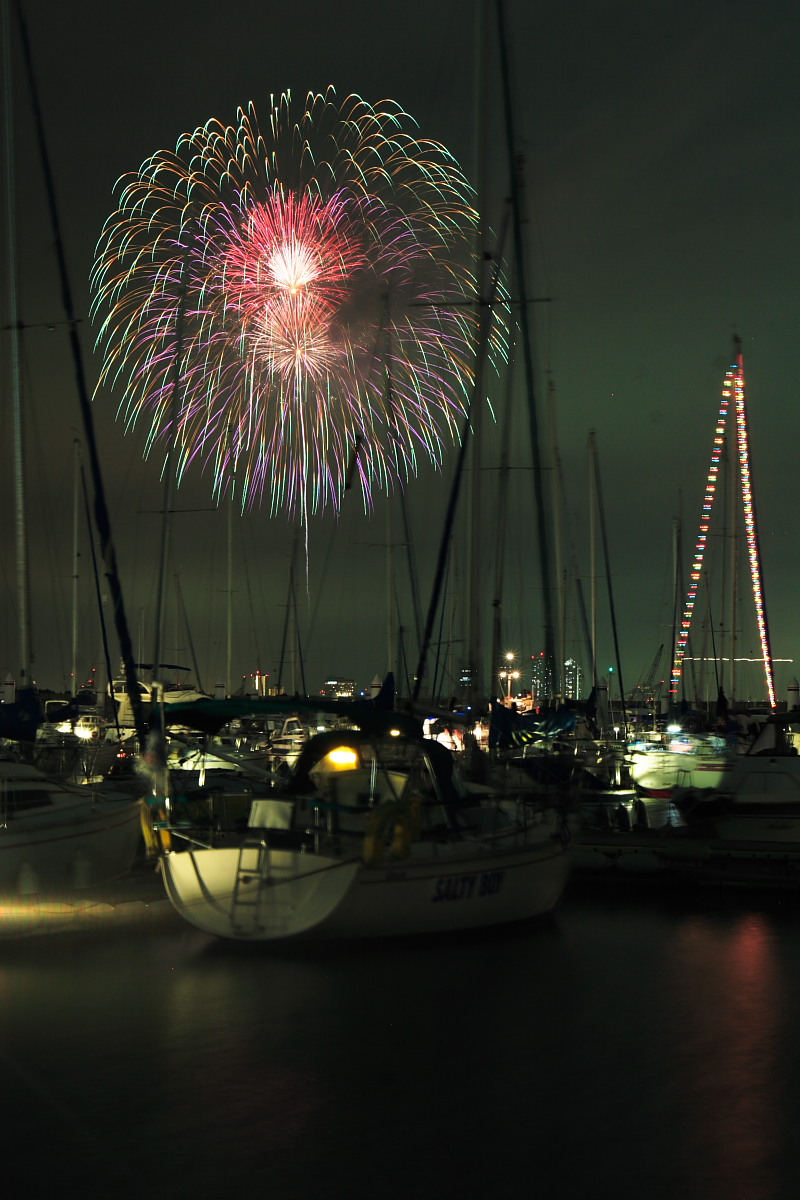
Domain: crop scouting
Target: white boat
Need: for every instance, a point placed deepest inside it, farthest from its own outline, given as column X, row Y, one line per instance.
column 683, row 760
column 173, row 693
column 759, row 797
column 286, row 743
column 270, row 750
column 55, row 838
column 373, row 836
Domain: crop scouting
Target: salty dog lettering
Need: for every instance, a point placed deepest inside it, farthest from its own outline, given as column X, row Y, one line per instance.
column 464, row 887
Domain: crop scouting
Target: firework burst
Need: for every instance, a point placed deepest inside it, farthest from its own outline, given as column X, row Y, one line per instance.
column 283, row 306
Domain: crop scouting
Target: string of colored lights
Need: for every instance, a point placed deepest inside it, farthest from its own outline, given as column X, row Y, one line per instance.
column 734, row 387
column 753, row 549
column 702, row 539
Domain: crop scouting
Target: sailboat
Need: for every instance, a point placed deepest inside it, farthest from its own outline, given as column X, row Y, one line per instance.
column 56, row 837
column 731, row 444
column 375, row 834
column 733, row 788
column 713, row 751
column 379, row 831
column 53, row 838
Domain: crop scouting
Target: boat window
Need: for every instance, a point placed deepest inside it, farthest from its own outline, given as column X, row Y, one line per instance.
column 21, row 801
column 779, row 785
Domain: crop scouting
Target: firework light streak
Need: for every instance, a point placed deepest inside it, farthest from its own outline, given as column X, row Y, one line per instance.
column 318, row 262
column 733, row 389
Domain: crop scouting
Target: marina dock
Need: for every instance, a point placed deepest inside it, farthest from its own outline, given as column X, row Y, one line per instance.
column 681, row 856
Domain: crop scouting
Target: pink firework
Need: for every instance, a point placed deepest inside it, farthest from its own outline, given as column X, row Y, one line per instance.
column 280, row 306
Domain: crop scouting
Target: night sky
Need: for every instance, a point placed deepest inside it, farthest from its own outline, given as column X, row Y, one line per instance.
column 660, row 144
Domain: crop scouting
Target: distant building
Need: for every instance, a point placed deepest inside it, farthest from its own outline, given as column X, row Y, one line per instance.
column 542, row 683
column 339, row 689
column 466, row 679
column 572, row 680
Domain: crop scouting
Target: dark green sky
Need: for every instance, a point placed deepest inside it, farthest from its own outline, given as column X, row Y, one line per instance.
column 660, row 147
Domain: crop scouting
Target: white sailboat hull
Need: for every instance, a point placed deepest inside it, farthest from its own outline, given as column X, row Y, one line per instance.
column 444, row 890
column 69, row 851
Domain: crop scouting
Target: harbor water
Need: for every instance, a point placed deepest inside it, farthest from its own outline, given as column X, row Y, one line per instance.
column 638, row 1042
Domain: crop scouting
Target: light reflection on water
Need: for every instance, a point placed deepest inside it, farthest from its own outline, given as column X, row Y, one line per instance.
column 729, row 1001
column 637, row 1043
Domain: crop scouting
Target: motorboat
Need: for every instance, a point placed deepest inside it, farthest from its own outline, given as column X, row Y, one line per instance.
column 56, row 838
column 171, row 693
column 286, row 743
column 376, row 833
column 758, row 798
column 657, row 766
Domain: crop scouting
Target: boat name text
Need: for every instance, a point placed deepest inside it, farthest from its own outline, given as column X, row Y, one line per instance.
column 464, row 887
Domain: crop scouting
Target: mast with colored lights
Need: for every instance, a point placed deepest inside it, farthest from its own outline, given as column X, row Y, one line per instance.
column 733, row 395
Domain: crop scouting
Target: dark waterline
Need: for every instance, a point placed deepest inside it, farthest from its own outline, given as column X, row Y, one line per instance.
column 636, row 1043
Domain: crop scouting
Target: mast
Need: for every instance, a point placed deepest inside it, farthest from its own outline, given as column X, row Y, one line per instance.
column 390, row 647
column 390, row 641
column 593, row 556
column 75, row 562
column 561, row 589
column 229, row 605
column 177, row 367
column 607, row 564
column 502, row 514
column 527, row 346
column 100, row 507
column 733, row 396
column 475, row 686
column 15, row 330
column 750, row 524
column 677, row 588
column 732, row 543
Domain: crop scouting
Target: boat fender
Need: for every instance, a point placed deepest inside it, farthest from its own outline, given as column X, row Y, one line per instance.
column 400, row 818
column 157, row 838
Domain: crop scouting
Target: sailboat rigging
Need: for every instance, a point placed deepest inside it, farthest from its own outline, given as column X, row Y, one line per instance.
column 378, row 823
column 54, row 837
column 520, row 263
column 108, row 547
column 15, row 331
column 733, row 398
column 607, row 564
column 487, row 300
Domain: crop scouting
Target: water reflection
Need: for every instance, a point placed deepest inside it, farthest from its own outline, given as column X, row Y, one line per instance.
column 728, row 1004
column 623, row 1048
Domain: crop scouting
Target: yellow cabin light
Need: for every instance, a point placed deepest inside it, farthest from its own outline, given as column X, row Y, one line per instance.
column 343, row 757
column 394, row 733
